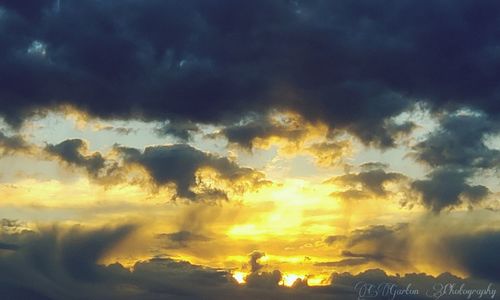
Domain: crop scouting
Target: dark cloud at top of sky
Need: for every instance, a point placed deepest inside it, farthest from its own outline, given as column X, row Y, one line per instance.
column 351, row 65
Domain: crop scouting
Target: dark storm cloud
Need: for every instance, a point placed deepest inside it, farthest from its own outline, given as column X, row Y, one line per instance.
column 460, row 142
column 375, row 233
column 366, row 183
column 70, row 152
column 7, row 246
column 56, row 263
column 79, row 251
column 179, row 163
column 388, row 246
column 351, row 65
column 448, row 187
column 457, row 151
column 476, row 253
column 62, row 263
column 471, row 251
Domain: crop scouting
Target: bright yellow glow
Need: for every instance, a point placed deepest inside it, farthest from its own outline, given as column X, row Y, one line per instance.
column 239, row 277
column 289, row 279
column 245, row 230
column 286, row 204
column 318, row 280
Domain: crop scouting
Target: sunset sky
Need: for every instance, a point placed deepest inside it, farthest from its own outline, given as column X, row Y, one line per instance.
column 247, row 149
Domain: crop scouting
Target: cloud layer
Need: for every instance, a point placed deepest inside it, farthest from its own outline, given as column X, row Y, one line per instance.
column 217, row 62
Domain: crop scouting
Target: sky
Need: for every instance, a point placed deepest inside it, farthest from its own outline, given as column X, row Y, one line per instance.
column 248, row 149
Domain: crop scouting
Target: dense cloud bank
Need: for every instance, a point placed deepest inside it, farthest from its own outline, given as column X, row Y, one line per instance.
column 469, row 250
column 351, row 65
column 63, row 263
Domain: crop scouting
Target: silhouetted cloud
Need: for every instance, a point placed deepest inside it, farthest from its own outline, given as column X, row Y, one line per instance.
column 70, row 152
column 179, row 163
column 365, row 184
column 448, row 187
column 460, row 142
column 255, row 266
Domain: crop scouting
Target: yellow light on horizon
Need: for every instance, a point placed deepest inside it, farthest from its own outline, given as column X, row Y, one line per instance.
column 289, row 279
column 239, row 277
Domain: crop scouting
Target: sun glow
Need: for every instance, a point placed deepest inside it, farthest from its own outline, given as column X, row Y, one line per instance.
column 286, row 209
column 289, row 279
column 239, row 277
